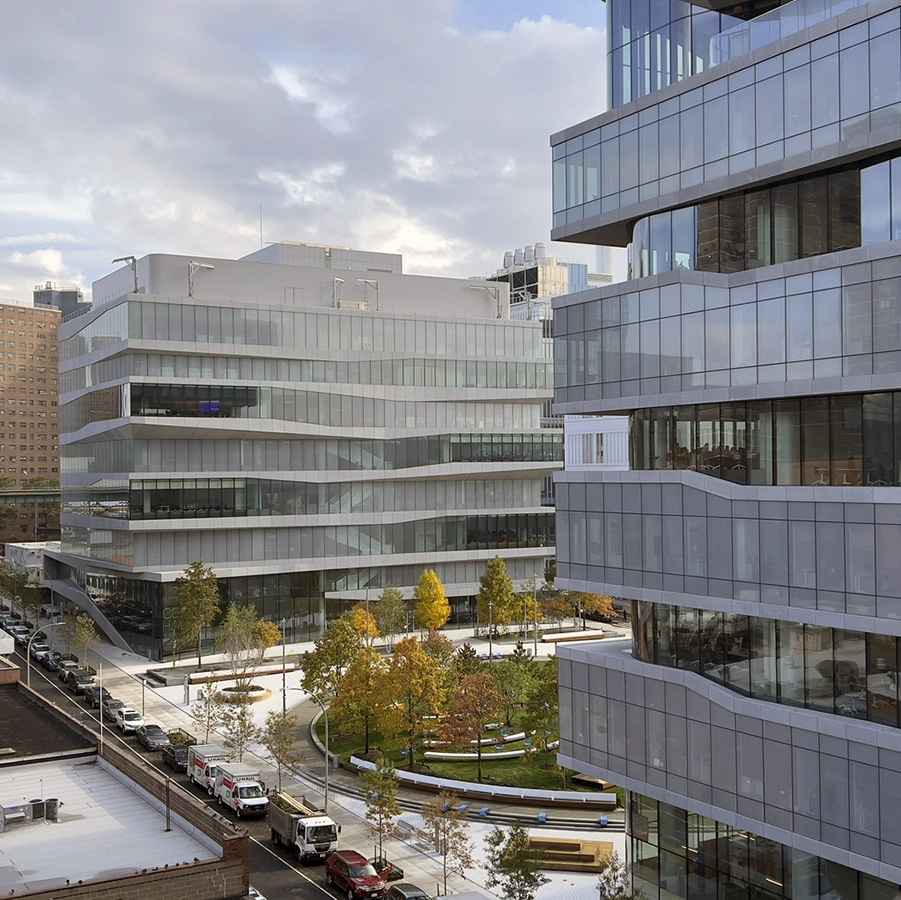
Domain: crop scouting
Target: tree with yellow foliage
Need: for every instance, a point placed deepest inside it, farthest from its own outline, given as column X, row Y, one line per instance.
column 432, row 609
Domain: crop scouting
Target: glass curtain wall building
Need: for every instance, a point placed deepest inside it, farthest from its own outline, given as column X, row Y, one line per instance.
column 752, row 164
column 308, row 421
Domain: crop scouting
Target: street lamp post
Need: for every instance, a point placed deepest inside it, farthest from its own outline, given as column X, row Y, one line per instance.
column 535, row 614
column 284, row 688
column 327, row 756
column 143, row 686
column 28, row 651
column 490, row 631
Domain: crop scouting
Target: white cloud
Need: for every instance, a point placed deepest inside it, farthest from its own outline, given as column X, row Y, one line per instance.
column 418, row 126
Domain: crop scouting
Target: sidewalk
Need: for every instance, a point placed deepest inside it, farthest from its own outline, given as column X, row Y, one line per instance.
column 121, row 675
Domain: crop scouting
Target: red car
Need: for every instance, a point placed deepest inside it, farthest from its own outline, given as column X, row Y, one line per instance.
column 353, row 875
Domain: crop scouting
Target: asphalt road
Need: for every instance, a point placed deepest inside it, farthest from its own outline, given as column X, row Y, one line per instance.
column 272, row 870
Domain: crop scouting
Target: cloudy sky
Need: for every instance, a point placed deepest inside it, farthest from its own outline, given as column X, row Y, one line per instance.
column 411, row 126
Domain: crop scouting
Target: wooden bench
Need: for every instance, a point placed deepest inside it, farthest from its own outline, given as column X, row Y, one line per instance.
column 567, row 855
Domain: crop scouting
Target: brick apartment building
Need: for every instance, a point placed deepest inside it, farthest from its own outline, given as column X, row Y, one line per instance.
column 29, row 417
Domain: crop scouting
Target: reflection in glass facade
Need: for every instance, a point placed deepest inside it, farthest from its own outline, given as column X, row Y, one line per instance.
column 790, row 104
column 849, row 440
column 833, row 670
column 758, row 341
column 794, row 220
column 679, row 854
column 653, row 44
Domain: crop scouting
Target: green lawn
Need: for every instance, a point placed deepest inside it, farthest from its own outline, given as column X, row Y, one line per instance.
column 509, row 772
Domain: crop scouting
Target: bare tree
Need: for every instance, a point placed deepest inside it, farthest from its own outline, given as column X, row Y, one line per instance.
column 240, row 729
column 206, row 710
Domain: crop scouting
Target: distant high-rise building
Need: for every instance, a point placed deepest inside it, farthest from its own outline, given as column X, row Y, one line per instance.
column 308, row 421
column 752, row 162
column 29, row 415
column 66, row 299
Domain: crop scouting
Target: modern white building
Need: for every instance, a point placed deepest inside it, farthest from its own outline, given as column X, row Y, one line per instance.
column 308, row 421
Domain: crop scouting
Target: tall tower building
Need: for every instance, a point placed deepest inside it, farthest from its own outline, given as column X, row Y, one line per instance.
column 308, row 421
column 752, row 164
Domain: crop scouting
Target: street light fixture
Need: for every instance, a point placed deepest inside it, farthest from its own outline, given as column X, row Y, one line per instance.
column 284, row 663
column 490, row 631
column 28, row 651
column 328, row 759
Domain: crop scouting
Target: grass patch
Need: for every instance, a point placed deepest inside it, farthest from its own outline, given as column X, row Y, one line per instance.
column 507, row 772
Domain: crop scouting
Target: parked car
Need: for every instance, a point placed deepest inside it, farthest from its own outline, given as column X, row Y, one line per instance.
column 353, row 875
column 403, row 890
column 95, row 695
column 128, row 720
column 176, row 757
column 65, row 666
column 152, row 737
column 51, row 660
column 79, row 680
column 109, row 707
column 20, row 633
column 39, row 649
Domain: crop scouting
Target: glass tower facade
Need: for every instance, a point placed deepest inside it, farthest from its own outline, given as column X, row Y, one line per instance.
column 750, row 163
column 311, row 423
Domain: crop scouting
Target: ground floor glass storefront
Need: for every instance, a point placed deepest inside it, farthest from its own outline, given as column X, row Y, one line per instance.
column 678, row 854
column 141, row 611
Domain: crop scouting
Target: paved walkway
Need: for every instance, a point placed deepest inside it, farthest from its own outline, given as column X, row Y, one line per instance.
column 122, row 673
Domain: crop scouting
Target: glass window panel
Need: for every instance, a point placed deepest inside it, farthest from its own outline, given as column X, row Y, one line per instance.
column 785, row 222
column 760, row 443
column 846, row 426
column 855, row 82
column 771, row 331
column 815, row 441
column 716, row 136
column 875, row 204
column 684, row 231
column 708, row 236
column 878, row 439
column 769, row 110
column 741, row 120
column 787, row 425
column 692, row 138
column 799, row 326
column 824, row 74
column 812, row 194
column 844, row 210
column 758, row 230
column 661, row 244
column 797, row 100
column 732, row 233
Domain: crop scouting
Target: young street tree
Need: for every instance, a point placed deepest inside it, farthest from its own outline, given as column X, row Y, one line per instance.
column 512, row 865
column 432, row 610
column 476, row 705
column 414, row 685
column 364, row 624
column 85, row 638
column 496, row 601
column 244, row 639
column 467, row 662
column 380, row 788
column 391, row 614
column 361, row 700
column 239, row 727
column 447, row 832
column 279, row 737
column 195, row 602
column 513, row 677
column 206, row 710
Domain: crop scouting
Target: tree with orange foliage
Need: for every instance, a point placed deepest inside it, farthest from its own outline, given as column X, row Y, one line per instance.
column 476, row 705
